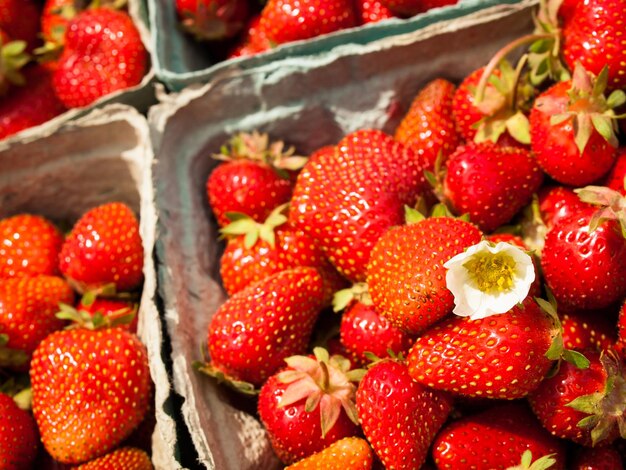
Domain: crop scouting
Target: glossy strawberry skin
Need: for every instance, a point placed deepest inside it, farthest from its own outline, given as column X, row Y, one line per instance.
column 212, row 19
column 276, row 314
column 85, row 384
column 495, row 438
column 400, row 417
column 247, row 187
column 597, row 458
column 372, row 11
column 620, row 345
column 103, row 53
column 557, row 203
column 585, row 270
column 501, row 356
column 464, row 111
column 351, row 452
column 29, row 246
column 104, row 247
column 587, row 329
column 408, row 8
column 112, row 307
column 616, row 177
column 19, row 440
column 124, row 457
column 410, row 293
column 555, row 148
column 19, row 19
column 491, row 183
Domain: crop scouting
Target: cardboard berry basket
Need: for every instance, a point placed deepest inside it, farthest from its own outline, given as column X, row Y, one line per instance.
column 308, row 107
column 179, row 60
column 102, row 157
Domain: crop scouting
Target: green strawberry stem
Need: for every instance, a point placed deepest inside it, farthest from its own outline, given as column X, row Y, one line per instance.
column 13, row 57
column 344, row 297
column 240, row 386
column 24, row 399
column 543, row 463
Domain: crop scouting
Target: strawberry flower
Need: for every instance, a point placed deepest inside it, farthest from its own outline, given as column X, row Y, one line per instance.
column 489, row 279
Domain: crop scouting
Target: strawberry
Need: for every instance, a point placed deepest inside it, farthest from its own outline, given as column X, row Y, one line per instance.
column 27, row 310
column 124, row 457
column 91, row 389
column 253, row 180
column 587, row 329
column 372, row 11
column 597, row 458
column 427, row 126
column 502, row 356
column 406, row 277
column 253, row 41
column 572, row 130
column 294, row 20
column 348, row 198
column 55, row 17
column 557, row 203
column 351, row 453
column 103, row 53
column 212, row 19
column 408, row 8
column 104, row 247
column 490, row 183
column 620, row 345
column 19, row 19
column 399, row 416
column 496, row 439
column 581, row 43
column 276, row 314
column 29, row 245
column 586, row 406
column 19, row 439
column 256, row 251
column 309, row 405
column 616, row 177
column 29, row 105
column 110, row 308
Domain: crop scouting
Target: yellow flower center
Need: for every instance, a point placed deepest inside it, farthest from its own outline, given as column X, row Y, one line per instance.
column 491, row 272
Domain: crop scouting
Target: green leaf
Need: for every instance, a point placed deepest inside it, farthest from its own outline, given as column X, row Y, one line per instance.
column 342, row 298
column 412, row 216
column 616, row 99
column 527, row 458
column 14, row 48
column 601, row 82
column 584, row 127
column 519, row 127
column 604, row 126
column 559, row 118
column 250, row 239
column 586, row 403
column 431, row 178
column 556, row 348
column 576, row 358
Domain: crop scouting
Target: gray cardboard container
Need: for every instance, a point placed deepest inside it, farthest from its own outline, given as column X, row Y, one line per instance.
column 140, row 96
column 105, row 156
column 308, row 102
column 180, row 61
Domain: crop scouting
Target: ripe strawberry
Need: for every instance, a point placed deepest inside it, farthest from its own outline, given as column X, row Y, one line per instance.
column 212, row 19
column 253, row 180
column 348, row 198
column 427, row 126
column 123, row 458
column 294, row 20
column 616, row 177
column 103, row 53
column 112, row 309
column 588, row 329
column 496, row 439
column 408, row 8
column 276, row 314
column 256, row 251
column 502, row 356
column 351, row 453
column 372, row 11
column 557, row 203
column 55, row 17
column 597, row 458
column 18, row 436
column 586, row 406
column 620, row 345
column 491, row 183
column 253, row 41
column 29, row 245
column 19, row 19
column 399, row 416
column 569, row 146
column 27, row 309
column 104, row 247
column 29, row 105
column 406, row 277
column 91, row 389
column 309, row 405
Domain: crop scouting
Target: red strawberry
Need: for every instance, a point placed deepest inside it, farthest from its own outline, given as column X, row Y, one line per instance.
column 276, row 314
column 253, row 41
column 19, row 19
column 350, row 453
column 616, row 177
column 569, row 146
column 294, row 20
column 256, row 251
column 18, row 436
column 309, row 405
column 29, row 245
column 400, row 417
column 27, row 309
column 491, row 183
column 406, row 277
column 588, row 329
column 408, row 8
column 91, row 389
column 111, row 308
column 122, row 458
column 428, row 126
column 496, row 439
column 557, row 203
column 348, row 198
column 582, row 43
column 372, row 11
column 501, row 356
column 597, row 458
column 103, row 53
column 212, row 19
column 104, row 247
column 586, row 406
column 253, row 180
column 29, row 105
column 620, row 345
column 54, row 20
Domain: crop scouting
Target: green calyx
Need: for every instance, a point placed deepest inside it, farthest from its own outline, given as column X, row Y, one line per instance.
column 240, row 386
column 357, row 293
column 542, row 463
column 10, row 357
column 244, row 226
column 612, row 206
column 13, row 57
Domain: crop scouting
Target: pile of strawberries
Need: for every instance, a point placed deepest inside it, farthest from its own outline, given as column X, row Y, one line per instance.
column 63, row 54
column 245, row 28
column 75, row 361
column 510, row 185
